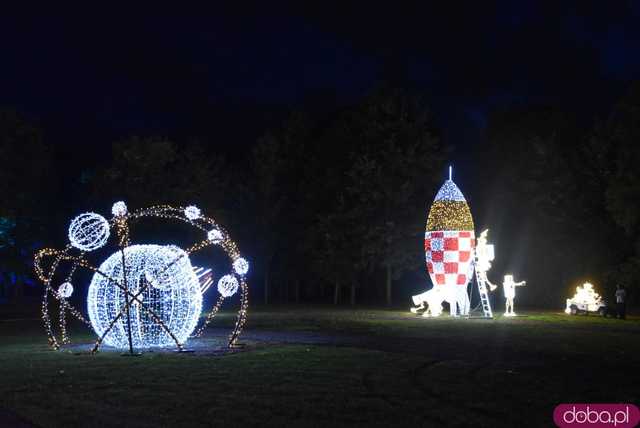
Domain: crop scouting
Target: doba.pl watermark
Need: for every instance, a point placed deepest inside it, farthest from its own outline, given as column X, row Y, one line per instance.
column 596, row 415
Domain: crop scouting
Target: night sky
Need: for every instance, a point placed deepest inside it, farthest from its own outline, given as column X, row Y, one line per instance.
column 180, row 75
column 229, row 74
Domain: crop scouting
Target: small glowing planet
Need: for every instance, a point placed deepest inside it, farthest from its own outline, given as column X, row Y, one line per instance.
column 241, row 266
column 192, row 212
column 65, row 290
column 228, row 285
column 89, row 231
column 119, row 209
column 215, row 236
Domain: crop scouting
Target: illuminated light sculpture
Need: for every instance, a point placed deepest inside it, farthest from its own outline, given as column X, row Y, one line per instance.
column 430, row 301
column 449, row 242
column 215, row 236
column 227, row 285
column 484, row 255
column 65, row 290
column 141, row 295
column 163, row 279
column 119, row 209
column 89, row 231
column 192, row 212
column 585, row 300
column 241, row 266
column 509, row 288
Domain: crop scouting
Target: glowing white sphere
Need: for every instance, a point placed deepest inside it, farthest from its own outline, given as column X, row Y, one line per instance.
column 65, row 290
column 215, row 236
column 241, row 266
column 192, row 212
column 119, row 209
column 89, row 231
column 228, row 285
column 173, row 293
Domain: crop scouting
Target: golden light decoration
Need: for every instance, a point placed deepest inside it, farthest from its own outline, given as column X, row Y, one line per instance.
column 586, row 299
column 450, row 215
column 134, row 277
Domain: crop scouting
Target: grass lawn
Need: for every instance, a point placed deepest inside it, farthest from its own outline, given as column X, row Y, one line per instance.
column 318, row 366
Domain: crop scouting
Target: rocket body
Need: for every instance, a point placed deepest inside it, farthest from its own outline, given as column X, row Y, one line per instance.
column 449, row 240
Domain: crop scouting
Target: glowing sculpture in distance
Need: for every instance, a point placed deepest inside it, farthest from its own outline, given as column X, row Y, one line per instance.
column 484, row 255
column 449, row 241
column 586, row 300
column 142, row 295
column 509, row 288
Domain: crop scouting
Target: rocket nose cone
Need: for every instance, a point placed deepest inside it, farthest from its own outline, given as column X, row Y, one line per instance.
column 449, row 210
column 449, row 192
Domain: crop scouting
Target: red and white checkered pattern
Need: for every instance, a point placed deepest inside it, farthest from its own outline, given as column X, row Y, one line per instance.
column 449, row 256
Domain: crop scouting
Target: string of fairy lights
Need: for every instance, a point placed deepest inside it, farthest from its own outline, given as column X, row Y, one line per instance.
column 153, row 287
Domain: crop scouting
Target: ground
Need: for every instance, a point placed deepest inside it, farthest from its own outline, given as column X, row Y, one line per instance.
column 318, row 366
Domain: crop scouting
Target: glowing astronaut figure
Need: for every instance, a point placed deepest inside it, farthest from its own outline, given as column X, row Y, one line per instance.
column 509, row 288
column 484, row 256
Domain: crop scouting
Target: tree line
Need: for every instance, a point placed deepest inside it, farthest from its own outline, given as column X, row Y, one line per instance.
column 333, row 206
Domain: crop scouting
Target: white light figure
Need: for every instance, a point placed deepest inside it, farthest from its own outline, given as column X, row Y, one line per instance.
column 163, row 277
column 192, row 212
column 585, row 299
column 509, row 288
column 228, row 285
column 485, row 254
column 89, row 231
column 430, row 302
column 65, row 290
column 119, row 209
column 241, row 266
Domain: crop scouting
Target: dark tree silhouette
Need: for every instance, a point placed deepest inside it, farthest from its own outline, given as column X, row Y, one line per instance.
column 26, row 185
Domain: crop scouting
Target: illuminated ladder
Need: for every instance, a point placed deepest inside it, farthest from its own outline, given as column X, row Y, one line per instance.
column 484, row 294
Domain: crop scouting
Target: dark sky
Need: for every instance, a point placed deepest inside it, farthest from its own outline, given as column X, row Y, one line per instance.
column 228, row 74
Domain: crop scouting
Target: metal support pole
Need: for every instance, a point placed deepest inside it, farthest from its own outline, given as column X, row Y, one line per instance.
column 126, row 299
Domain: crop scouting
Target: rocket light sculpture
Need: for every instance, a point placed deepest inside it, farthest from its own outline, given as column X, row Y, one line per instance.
column 449, row 243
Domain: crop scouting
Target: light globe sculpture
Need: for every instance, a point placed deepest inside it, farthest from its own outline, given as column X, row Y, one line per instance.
column 142, row 295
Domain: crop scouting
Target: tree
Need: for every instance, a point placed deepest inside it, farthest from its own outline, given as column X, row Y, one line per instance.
column 337, row 256
column 266, row 201
column 141, row 172
column 26, row 185
column 150, row 171
column 396, row 165
column 614, row 155
column 544, row 201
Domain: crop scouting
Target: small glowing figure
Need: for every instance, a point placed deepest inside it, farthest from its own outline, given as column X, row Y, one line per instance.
column 509, row 287
column 484, row 256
